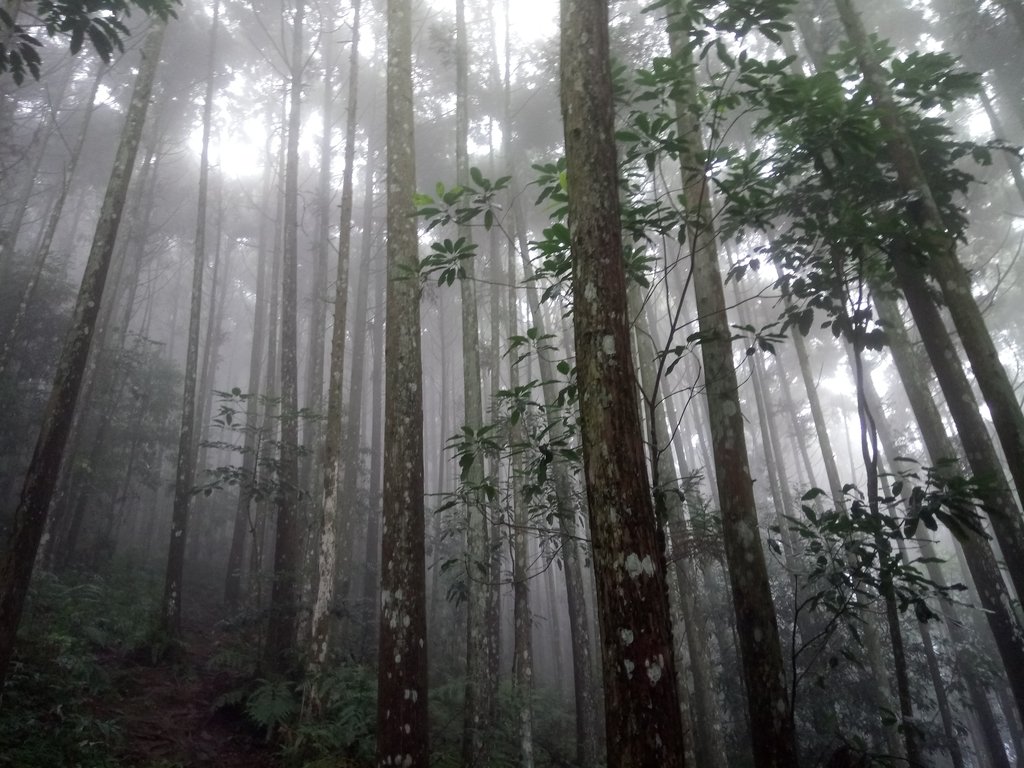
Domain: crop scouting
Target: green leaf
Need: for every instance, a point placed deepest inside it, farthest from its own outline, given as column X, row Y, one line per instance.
column 812, row 494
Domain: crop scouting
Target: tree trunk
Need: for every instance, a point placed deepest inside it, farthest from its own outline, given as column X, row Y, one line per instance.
column 30, row 516
column 476, row 723
column 170, row 613
column 251, row 445
column 373, row 542
column 53, row 219
column 643, row 724
column 980, row 455
column 522, row 664
column 943, row 263
column 587, row 723
column 326, row 565
column 772, row 728
column 364, row 583
column 668, row 502
column 281, row 632
column 402, row 737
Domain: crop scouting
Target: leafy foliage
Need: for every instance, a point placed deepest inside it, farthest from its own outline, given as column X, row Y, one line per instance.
column 101, row 22
column 47, row 717
column 258, row 475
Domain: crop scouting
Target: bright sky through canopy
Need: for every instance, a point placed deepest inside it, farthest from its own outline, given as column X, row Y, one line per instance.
column 530, row 19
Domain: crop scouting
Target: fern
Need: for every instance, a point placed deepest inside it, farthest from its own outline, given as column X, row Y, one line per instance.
column 272, row 704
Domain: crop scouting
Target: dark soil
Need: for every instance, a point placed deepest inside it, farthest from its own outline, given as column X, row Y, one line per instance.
column 169, row 714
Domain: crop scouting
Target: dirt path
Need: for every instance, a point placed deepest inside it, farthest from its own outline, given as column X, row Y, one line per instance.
column 167, row 713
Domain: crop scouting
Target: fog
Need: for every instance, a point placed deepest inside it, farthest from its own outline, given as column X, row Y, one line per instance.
column 331, row 436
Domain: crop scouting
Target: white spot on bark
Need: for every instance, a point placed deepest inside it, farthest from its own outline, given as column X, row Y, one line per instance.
column 626, row 635
column 653, row 671
column 608, row 345
column 635, row 566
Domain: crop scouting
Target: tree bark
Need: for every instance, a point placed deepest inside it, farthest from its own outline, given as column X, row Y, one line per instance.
column 402, row 737
column 668, row 502
column 327, row 562
column 252, row 444
column 478, row 697
column 942, row 261
column 184, row 477
column 643, row 723
column 281, row 632
column 980, row 455
column 37, row 490
column 771, row 721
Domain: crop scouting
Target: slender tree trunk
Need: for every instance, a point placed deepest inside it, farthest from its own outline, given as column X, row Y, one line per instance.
column 372, row 552
column 53, row 219
column 250, row 468
column 402, row 738
column 587, row 723
column 643, row 724
column 170, row 612
column 476, row 724
column 980, row 455
column 522, row 664
column 668, row 502
column 287, row 558
column 356, row 423
column 326, row 565
column 943, row 263
column 772, row 728
column 40, row 478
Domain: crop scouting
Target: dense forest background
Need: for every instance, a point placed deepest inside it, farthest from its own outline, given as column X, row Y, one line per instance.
column 491, row 383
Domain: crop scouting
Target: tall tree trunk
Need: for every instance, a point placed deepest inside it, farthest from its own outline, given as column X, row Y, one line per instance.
column 943, row 263
column 50, row 228
column 402, row 738
column 668, row 501
column 366, row 577
column 40, row 478
column 476, row 723
column 252, row 443
column 376, row 474
column 287, row 558
column 587, row 715
column 170, row 612
column 522, row 664
column 643, row 724
column 772, row 728
column 326, row 565
column 980, row 455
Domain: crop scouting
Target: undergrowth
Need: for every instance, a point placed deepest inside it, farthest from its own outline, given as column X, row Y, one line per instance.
column 329, row 721
column 48, row 715
column 334, row 728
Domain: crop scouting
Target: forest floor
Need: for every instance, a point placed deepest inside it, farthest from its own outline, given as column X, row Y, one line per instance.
column 169, row 714
column 85, row 691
